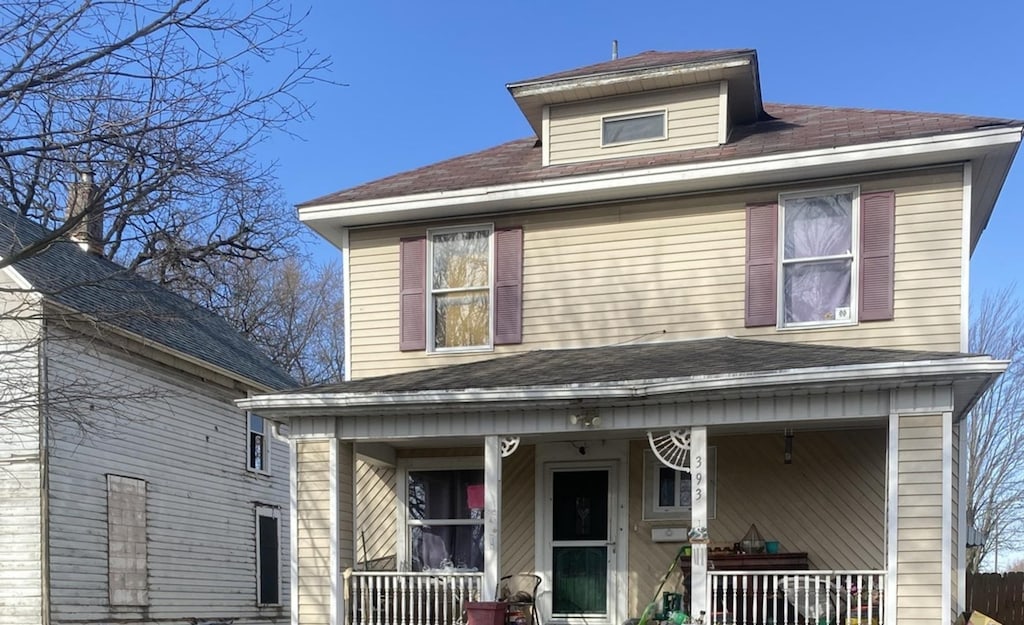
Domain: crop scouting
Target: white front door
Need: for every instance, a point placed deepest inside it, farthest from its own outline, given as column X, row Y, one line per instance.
column 580, row 551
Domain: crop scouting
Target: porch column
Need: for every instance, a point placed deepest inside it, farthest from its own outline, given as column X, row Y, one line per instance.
column 699, row 522
column 322, row 512
column 492, row 518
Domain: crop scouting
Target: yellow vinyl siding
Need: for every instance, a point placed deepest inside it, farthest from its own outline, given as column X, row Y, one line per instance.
column 691, row 121
column 517, row 512
column 376, row 516
column 919, row 532
column 837, row 477
column 670, row 269
column 314, row 531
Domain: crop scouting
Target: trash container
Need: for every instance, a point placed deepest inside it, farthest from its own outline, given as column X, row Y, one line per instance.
column 485, row 612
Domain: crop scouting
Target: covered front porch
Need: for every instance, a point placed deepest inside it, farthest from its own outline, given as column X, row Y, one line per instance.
column 410, row 500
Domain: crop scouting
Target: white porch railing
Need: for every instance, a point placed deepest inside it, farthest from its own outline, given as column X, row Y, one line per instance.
column 402, row 598
column 795, row 597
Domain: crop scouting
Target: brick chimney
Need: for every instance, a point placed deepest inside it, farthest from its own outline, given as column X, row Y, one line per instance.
column 84, row 196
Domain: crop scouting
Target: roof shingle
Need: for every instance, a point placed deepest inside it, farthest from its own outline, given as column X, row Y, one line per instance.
column 644, row 60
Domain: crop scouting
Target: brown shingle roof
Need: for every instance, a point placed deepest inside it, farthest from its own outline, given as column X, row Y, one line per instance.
column 791, row 128
column 644, row 60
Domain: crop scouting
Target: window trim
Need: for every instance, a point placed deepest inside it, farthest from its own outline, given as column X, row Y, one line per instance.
column 274, row 513
column 248, row 444
column 853, row 255
column 663, row 112
column 651, row 512
column 429, row 291
column 402, row 468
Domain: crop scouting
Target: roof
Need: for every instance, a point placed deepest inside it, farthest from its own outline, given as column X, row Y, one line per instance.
column 789, row 128
column 645, row 60
column 636, row 362
column 105, row 291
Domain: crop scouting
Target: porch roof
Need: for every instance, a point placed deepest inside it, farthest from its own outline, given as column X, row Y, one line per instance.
column 639, row 371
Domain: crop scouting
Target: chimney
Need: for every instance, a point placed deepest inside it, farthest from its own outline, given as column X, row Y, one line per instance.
column 615, row 49
column 84, row 197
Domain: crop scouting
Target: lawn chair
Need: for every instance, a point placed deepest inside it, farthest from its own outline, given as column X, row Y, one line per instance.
column 520, row 592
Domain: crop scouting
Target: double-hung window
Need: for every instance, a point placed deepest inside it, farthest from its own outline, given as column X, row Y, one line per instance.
column 460, row 288
column 818, row 268
column 667, row 492
column 445, row 519
column 258, row 444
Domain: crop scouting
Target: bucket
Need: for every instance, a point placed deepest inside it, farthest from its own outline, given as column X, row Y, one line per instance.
column 485, row 612
column 771, row 546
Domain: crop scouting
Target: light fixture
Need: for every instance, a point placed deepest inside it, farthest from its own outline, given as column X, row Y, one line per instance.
column 587, row 418
column 787, row 455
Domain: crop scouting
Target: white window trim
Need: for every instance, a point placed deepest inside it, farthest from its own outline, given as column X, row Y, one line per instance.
column 267, row 438
column 429, row 287
column 854, row 254
column 617, row 117
column 652, row 512
column 402, row 468
column 274, row 513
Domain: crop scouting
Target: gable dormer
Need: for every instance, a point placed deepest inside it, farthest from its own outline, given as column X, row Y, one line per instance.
column 649, row 103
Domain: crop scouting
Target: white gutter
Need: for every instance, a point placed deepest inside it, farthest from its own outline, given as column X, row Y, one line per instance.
column 672, row 178
column 637, row 389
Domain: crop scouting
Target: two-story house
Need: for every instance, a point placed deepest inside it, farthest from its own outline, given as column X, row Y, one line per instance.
column 672, row 314
column 132, row 490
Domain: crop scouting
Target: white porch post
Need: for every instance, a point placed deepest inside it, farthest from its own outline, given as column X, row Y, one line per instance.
column 492, row 518
column 699, row 500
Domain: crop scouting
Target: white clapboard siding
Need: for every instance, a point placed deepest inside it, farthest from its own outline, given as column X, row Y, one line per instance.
column 185, row 438
column 673, row 269
column 21, row 598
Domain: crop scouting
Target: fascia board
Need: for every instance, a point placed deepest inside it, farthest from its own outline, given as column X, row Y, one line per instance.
column 638, row 390
column 674, row 179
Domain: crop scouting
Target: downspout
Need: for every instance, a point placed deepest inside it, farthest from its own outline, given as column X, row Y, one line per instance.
column 293, row 535
column 44, row 476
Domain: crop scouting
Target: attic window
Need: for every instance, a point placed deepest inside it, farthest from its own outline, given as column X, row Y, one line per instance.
column 634, row 127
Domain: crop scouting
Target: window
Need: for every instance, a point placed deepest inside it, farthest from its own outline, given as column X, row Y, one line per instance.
column 460, row 288
column 258, row 444
column 818, row 260
column 667, row 491
column 268, row 555
column 445, row 521
column 631, row 128
column 126, row 541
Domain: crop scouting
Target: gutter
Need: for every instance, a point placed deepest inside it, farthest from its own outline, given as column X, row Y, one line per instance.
column 623, row 184
column 821, row 377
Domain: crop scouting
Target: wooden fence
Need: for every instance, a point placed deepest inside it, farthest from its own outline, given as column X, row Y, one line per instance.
column 998, row 595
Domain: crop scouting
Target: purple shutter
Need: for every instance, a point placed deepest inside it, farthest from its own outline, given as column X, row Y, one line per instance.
column 762, row 245
column 508, row 286
column 877, row 239
column 412, row 294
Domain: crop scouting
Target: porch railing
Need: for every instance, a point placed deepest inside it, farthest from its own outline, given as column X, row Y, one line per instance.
column 795, row 597
column 405, row 598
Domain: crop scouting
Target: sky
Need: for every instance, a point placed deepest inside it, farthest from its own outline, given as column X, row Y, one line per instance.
column 426, row 80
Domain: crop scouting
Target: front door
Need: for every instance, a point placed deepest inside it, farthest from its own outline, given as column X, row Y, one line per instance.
column 581, row 528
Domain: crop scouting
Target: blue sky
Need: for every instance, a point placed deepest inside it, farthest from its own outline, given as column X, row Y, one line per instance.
column 427, row 79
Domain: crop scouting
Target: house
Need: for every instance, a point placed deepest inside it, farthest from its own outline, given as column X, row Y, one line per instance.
column 675, row 321
column 131, row 488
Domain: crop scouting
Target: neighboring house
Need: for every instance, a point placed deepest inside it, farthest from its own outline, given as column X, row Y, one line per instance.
column 132, row 490
column 673, row 310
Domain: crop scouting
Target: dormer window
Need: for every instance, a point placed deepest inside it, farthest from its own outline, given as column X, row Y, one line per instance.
column 646, row 126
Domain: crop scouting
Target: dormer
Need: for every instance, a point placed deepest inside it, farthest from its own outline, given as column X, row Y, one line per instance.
column 649, row 103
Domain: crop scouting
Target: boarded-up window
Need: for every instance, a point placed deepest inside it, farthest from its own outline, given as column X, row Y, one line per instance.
column 126, row 541
column 268, row 556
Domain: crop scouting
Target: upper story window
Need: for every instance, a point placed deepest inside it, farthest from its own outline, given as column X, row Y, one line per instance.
column 818, row 259
column 821, row 258
column 258, row 445
column 460, row 288
column 634, row 127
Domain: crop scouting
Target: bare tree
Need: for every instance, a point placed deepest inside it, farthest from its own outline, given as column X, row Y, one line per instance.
column 161, row 104
column 993, row 433
column 292, row 309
